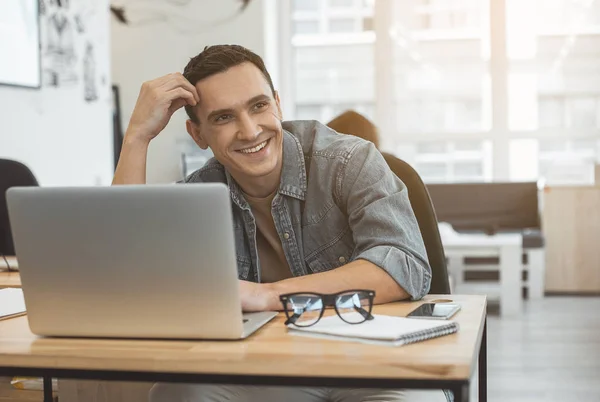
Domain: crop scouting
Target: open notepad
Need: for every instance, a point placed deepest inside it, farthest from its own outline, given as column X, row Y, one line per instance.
column 12, row 303
column 383, row 329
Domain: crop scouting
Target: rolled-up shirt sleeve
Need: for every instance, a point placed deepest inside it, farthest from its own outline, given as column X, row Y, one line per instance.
column 382, row 221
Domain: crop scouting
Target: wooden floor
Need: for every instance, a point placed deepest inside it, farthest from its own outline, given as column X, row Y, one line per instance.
column 551, row 353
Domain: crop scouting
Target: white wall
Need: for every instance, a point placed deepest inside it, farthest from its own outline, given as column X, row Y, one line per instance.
column 63, row 138
column 147, row 50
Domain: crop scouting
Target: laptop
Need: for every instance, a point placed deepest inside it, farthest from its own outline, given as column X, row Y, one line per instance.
column 139, row 261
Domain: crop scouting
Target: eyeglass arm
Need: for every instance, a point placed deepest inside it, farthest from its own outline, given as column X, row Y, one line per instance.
column 366, row 315
column 292, row 319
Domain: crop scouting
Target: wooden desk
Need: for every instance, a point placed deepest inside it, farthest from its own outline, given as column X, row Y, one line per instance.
column 10, row 279
column 12, row 261
column 269, row 357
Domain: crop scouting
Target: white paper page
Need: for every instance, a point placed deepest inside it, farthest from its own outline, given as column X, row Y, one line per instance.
column 11, row 302
column 382, row 327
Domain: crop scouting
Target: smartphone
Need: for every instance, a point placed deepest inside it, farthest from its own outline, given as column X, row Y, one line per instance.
column 435, row 311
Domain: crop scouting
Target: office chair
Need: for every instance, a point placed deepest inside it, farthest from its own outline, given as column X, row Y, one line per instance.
column 12, row 173
column 351, row 122
column 427, row 220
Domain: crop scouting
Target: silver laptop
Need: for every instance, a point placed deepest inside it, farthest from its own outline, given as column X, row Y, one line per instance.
column 147, row 261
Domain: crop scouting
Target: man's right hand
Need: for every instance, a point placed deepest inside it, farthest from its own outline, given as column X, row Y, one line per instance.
column 156, row 103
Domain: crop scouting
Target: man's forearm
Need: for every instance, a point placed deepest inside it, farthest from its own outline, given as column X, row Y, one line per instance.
column 359, row 274
column 131, row 168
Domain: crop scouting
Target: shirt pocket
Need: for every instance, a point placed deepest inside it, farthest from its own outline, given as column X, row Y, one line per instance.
column 330, row 242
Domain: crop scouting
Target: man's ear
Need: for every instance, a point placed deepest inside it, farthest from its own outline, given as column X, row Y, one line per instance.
column 193, row 130
column 278, row 103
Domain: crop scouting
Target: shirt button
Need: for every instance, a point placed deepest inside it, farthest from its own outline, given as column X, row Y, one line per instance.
column 286, row 235
column 342, row 260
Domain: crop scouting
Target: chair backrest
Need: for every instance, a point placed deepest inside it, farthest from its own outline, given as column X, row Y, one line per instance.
column 12, row 174
column 427, row 220
column 354, row 123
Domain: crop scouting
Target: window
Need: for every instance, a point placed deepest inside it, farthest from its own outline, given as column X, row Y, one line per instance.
column 582, row 112
column 308, row 112
column 467, row 170
column 554, row 161
column 559, row 16
column 341, row 3
column 567, row 161
column 439, row 115
column 318, row 19
column 306, row 27
column 305, row 5
column 449, row 161
column 553, row 92
column 551, row 112
column 433, row 172
column 447, row 14
column 366, row 109
column 444, row 89
column 342, row 25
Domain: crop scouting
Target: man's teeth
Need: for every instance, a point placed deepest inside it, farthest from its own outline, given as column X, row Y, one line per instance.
column 255, row 149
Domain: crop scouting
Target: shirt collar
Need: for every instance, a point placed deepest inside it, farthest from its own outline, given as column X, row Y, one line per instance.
column 293, row 172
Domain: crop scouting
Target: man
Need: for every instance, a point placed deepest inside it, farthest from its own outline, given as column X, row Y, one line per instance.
column 313, row 210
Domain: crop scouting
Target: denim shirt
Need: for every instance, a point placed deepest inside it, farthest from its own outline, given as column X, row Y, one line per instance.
column 337, row 202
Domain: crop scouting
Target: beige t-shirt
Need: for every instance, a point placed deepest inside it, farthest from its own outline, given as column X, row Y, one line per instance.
column 273, row 264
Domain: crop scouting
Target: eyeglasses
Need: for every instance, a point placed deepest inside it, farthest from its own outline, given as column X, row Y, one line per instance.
column 306, row 309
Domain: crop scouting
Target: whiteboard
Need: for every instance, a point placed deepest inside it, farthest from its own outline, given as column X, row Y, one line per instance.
column 20, row 43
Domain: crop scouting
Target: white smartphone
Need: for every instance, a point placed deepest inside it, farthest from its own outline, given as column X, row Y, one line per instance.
column 435, row 311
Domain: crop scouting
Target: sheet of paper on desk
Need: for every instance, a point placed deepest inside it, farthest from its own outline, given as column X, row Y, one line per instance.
column 11, row 302
column 383, row 329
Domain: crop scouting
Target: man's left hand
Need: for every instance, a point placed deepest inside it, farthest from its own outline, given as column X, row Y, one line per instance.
column 256, row 297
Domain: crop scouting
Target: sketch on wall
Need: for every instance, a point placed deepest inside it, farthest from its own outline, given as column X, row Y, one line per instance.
column 69, row 46
column 60, row 58
column 89, row 74
column 19, row 43
column 53, row 43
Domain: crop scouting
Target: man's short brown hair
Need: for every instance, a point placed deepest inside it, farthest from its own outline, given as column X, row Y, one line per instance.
column 217, row 59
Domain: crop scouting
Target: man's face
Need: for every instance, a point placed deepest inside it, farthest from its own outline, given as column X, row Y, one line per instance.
column 240, row 120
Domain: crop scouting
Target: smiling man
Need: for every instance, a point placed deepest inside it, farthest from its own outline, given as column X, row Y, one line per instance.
column 314, row 211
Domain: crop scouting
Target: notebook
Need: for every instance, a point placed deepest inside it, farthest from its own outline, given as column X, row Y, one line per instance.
column 383, row 329
column 12, row 303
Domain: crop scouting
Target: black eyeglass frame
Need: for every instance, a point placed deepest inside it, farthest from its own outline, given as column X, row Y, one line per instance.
column 328, row 300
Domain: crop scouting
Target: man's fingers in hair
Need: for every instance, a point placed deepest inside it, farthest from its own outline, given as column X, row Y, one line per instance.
column 178, row 80
column 185, row 83
column 177, row 104
column 181, row 93
column 159, row 82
